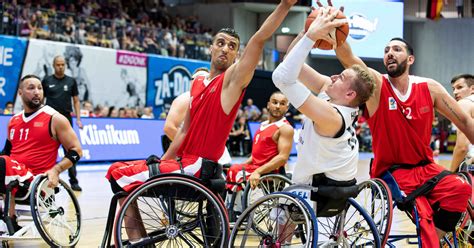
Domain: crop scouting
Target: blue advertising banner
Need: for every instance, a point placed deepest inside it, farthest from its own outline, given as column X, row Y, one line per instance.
column 111, row 139
column 12, row 53
column 167, row 79
column 253, row 126
column 372, row 23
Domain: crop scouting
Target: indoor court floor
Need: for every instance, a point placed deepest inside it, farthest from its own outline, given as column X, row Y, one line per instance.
column 95, row 198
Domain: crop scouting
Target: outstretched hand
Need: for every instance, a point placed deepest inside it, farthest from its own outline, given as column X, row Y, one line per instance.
column 324, row 23
column 329, row 4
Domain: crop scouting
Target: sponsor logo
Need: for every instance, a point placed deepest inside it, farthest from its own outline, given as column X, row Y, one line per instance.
column 392, row 104
column 51, row 85
column 38, row 124
column 360, row 26
column 131, row 59
column 172, row 83
column 91, row 135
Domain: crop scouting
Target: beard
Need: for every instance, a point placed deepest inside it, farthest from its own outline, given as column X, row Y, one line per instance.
column 399, row 70
column 32, row 104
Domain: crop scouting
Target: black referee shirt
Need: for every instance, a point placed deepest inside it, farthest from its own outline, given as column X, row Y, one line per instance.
column 59, row 92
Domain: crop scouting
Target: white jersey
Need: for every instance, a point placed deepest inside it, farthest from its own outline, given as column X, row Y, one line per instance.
column 337, row 157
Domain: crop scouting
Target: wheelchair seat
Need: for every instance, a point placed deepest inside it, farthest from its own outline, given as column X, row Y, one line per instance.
column 331, row 195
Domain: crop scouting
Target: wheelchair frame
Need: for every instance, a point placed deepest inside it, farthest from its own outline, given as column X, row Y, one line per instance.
column 113, row 232
column 37, row 227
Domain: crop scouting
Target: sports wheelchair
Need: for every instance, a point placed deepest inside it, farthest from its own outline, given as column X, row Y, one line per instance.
column 322, row 215
column 392, row 196
column 171, row 210
column 269, row 183
column 55, row 213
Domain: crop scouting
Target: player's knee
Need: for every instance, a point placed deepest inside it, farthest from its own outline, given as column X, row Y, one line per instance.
column 114, row 186
column 446, row 220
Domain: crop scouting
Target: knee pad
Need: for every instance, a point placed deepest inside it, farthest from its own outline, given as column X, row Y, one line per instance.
column 446, row 220
column 114, row 185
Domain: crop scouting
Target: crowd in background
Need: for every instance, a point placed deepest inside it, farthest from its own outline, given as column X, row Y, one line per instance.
column 129, row 25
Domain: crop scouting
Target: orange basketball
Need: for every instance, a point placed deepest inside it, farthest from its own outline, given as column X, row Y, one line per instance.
column 340, row 32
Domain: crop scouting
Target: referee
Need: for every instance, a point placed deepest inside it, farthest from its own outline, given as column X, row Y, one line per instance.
column 58, row 91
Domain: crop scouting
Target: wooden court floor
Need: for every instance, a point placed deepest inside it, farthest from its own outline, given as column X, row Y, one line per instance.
column 95, row 198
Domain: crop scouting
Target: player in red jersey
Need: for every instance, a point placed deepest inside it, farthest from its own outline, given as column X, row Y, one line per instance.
column 271, row 145
column 34, row 136
column 400, row 114
column 211, row 112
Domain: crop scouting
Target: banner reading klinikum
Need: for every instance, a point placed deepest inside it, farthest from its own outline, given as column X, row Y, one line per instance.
column 105, row 76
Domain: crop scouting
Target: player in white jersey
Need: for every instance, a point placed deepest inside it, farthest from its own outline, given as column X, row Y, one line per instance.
column 327, row 141
column 463, row 90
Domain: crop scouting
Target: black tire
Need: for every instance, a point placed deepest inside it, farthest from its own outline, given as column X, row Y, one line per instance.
column 272, row 220
column 174, row 212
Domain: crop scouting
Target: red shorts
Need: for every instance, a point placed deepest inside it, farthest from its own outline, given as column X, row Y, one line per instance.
column 236, row 175
column 132, row 174
column 451, row 193
column 16, row 171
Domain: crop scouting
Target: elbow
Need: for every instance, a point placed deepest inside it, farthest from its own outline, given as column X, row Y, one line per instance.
column 277, row 77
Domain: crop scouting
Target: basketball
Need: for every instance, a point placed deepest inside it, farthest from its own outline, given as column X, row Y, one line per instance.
column 340, row 32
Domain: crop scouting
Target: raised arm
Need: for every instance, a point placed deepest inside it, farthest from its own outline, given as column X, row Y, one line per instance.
column 241, row 73
column 176, row 115
column 312, row 79
column 327, row 120
column 285, row 142
column 448, row 107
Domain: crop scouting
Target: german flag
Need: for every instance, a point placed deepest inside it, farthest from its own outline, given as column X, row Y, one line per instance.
column 433, row 9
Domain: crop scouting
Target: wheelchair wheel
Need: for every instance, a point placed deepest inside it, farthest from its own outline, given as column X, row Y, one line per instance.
column 351, row 228
column 171, row 211
column 376, row 199
column 275, row 220
column 56, row 213
column 268, row 184
column 465, row 226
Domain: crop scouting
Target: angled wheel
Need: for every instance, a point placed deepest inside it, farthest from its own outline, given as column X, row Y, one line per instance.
column 376, row 199
column 275, row 220
column 351, row 228
column 56, row 213
column 171, row 211
column 465, row 226
column 268, row 184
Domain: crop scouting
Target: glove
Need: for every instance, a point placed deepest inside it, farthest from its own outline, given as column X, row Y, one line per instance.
column 153, row 159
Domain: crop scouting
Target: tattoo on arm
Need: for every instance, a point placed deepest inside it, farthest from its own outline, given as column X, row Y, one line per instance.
column 451, row 109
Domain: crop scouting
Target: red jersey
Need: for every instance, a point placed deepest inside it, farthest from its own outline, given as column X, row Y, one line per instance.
column 31, row 140
column 209, row 125
column 264, row 147
column 401, row 126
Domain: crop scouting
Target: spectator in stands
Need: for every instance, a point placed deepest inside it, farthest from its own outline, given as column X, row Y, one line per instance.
column 148, row 113
column 113, row 112
column 239, row 138
column 81, row 33
column 460, row 8
column 8, row 108
column 252, row 110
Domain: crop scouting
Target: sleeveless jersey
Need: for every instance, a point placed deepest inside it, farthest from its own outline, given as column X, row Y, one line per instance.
column 337, row 157
column 401, row 126
column 264, row 147
column 209, row 125
column 31, row 140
